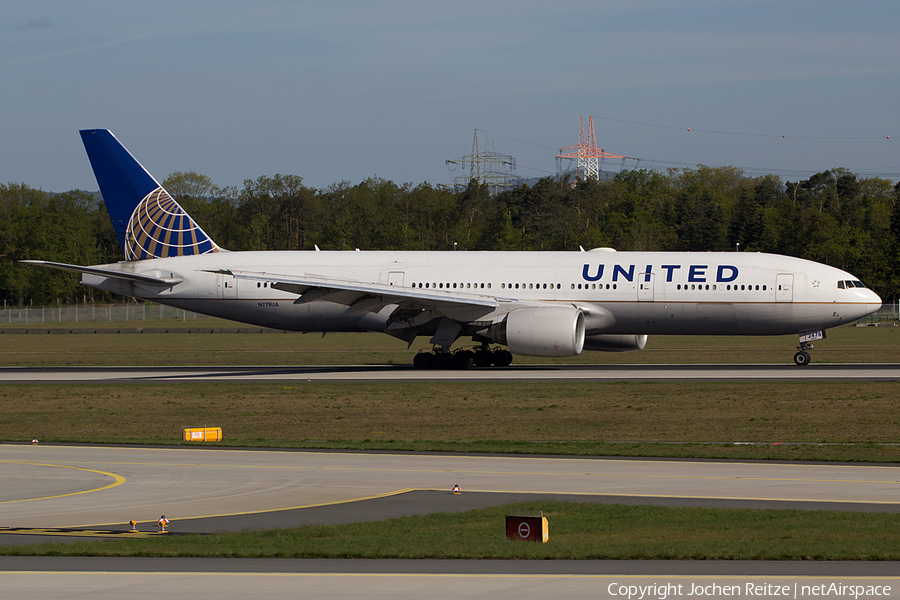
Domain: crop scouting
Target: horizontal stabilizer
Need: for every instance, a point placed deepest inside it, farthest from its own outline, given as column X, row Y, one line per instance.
column 135, row 277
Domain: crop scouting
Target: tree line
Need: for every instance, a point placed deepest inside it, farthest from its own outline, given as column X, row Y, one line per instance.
column 834, row 217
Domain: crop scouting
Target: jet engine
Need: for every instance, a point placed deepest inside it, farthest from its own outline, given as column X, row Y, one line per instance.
column 615, row 343
column 541, row 331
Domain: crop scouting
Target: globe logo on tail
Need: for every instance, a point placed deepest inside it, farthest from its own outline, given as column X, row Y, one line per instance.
column 159, row 228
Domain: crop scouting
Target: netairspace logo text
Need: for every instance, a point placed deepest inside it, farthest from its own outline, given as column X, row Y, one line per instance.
column 795, row 591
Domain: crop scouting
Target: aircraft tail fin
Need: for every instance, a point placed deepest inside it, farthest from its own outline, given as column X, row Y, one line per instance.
column 148, row 221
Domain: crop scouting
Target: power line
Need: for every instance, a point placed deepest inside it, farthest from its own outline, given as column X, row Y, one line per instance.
column 747, row 134
column 892, row 172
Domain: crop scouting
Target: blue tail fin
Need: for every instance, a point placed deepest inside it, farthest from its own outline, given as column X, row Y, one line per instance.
column 148, row 221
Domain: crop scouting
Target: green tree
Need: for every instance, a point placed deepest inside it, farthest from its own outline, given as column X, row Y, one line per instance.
column 188, row 183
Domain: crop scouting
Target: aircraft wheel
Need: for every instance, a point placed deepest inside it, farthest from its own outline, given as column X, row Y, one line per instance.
column 482, row 358
column 463, row 359
column 802, row 358
column 442, row 360
column 423, row 360
column 502, row 358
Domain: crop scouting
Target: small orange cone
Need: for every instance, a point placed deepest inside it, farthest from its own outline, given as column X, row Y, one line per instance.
column 456, row 489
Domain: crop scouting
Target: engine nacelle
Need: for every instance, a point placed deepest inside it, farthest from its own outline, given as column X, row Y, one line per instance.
column 541, row 331
column 615, row 343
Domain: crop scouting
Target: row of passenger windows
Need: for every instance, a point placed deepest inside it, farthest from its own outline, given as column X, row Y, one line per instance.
column 728, row 287
column 510, row 286
column 455, row 286
column 685, row 287
column 581, row 286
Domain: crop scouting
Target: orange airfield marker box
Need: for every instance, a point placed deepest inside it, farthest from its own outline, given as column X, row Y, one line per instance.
column 203, row 434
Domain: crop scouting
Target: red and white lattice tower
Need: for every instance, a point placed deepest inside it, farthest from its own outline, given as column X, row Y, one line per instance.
column 586, row 153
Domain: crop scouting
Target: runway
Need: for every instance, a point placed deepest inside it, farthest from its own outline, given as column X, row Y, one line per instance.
column 208, row 490
column 395, row 373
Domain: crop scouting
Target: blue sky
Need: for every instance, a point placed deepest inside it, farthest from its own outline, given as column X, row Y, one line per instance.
column 344, row 90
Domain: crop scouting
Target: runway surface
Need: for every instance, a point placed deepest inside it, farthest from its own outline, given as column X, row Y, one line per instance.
column 718, row 372
column 101, row 488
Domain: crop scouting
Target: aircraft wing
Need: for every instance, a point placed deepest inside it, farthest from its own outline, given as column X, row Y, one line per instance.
column 363, row 296
column 101, row 272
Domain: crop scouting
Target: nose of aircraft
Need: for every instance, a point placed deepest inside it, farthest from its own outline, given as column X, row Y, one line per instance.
column 873, row 301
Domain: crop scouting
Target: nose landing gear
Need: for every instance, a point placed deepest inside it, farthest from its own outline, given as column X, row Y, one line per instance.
column 802, row 358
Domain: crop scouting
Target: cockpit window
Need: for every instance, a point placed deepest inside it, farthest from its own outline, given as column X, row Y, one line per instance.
column 849, row 285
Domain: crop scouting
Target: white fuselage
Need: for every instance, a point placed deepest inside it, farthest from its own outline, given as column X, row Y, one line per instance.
column 644, row 292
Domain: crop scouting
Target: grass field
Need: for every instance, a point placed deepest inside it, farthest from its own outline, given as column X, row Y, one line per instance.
column 577, row 531
column 857, row 421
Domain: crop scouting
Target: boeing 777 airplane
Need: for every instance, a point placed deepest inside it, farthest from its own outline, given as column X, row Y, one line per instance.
column 534, row 303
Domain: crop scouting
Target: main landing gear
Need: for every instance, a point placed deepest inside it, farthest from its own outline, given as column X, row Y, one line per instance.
column 440, row 358
column 802, row 358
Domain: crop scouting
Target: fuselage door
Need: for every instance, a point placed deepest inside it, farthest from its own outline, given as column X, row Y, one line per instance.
column 784, row 287
column 227, row 285
column 645, row 287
